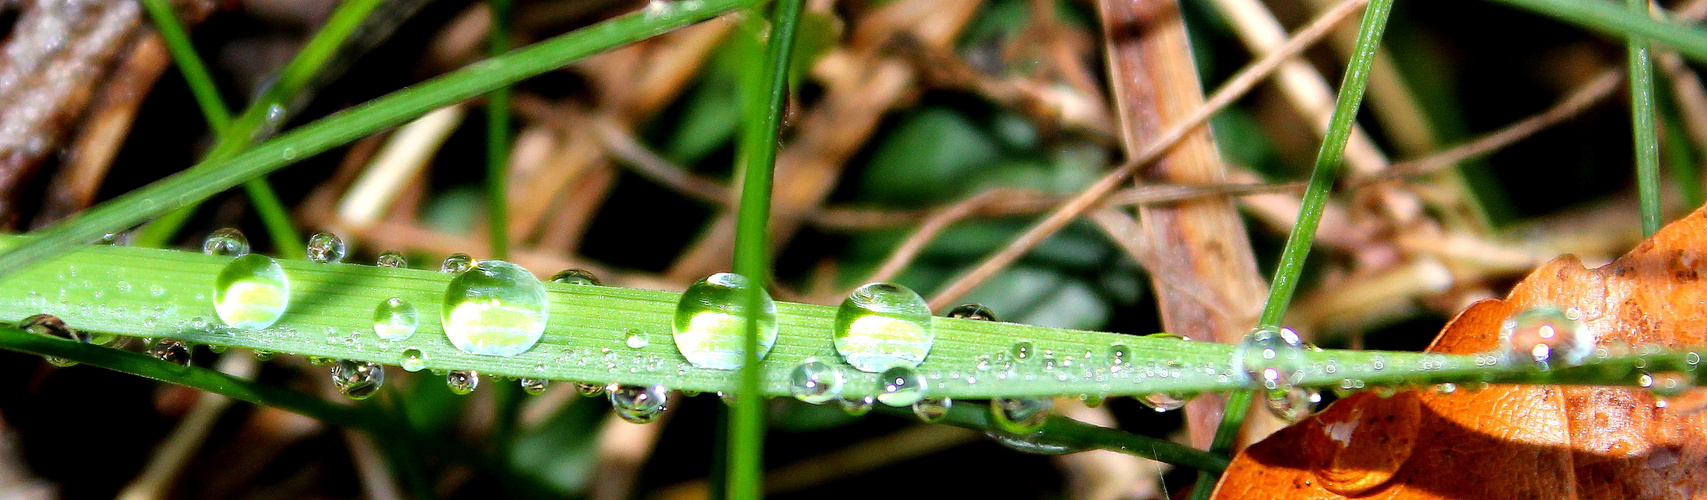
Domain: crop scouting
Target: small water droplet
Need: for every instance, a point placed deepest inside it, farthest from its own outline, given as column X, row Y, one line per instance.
column 1293, row 403
column 251, row 292
column 456, row 263
column 972, row 312
column 1271, row 358
column 326, row 248
column 815, row 382
column 576, row 277
column 1665, row 384
column 931, row 410
column 1118, row 357
column 883, row 325
column 358, row 380
column 1028, row 442
column 639, row 403
column 1020, row 415
column 494, row 308
column 1544, row 335
column 49, row 325
column 534, row 386
column 589, row 389
column 413, row 360
column 636, row 339
column 462, row 382
column 900, row 386
column 395, row 319
column 392, row 258
column 857, row 406
column 171, row 351
column 226, row 242
column 711, row 322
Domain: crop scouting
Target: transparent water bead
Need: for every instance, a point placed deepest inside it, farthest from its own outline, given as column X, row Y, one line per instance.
column 1028, row 442
column 711, row 322
column 326, row 248
column 534, row 386
column 857, row 406
column 413, row 360
column 226, row 242
column 636, row 339
column 1022, row 350
column 932, row 409
column 1546, row 334
column 882, row 325
column 456, row 263
column 1020, row 415
column 358, row 380
column 494, row 308
column 462, row 382
column 900, row 386
column 639, row 403
column 973, row 312
column 392, row 258
column 1271, row 358
column 251, row 292
column 395, row 319
column 1665, row 384
column 171, row 351
column 816, row 382
column 1294, row 403
column 48, row 325
column 576, row 277
column 1164, row 402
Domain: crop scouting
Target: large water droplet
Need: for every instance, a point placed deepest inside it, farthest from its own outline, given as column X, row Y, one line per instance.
column 882, row 325
column 462, row 382
column 1546, row 335
column 251, row 293
column 534, row 386
column 711, row 322
column 1020, row 415
column 171, row 351
column 972, row 312
column 815, row 382
column 395, row 319
column 456, row 263
column 326, row 248
column 576, row 277
column 1293, row 403
column 639, row 403
column 226, row 242
column 494, row 308
column 358, row 379
column 413, row 360
column 932, row 409
column 392, row 258
column 900, row 386
column 1271, row 358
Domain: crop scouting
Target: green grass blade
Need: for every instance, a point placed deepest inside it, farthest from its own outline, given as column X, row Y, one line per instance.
column 1226, row 435
column 1642, row 125
column 763, row 114
column 1609, row 19
column 201, row 83
column 498, row 138
column 213, row 176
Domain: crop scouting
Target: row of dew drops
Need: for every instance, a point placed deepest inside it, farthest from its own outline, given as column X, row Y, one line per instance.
column 497, row 308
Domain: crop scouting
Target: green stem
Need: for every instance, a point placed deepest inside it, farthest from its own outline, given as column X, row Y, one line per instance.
column 1226, row 436
column 1606, row 18
column 758, row 149
column 498, row 138
column 1642, row 124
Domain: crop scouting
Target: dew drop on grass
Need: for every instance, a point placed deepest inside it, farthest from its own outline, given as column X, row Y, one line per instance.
column 900, row 386
column 1028, row 442
column 576, row 277
column 462, row 382
column 857, row 406
column 413, row 360
column 1020, row 415
column 972, row 312
column 48, row 325
column 456, row 263
column 931, row 410
column 226, row 242
column 264, row 355
column 494, row 308
column 1271, row 358
column 1022, row 350
column 711, row 322
column 636, row 339
column 171, row 351
column 815, row 382
column 534, row 386
column 639, row 403
column 883, row 325
column 395, row 319
column 1665, row 384
column 1293, row 403
column 251, row 292
column 357, row 380
column 1546, row 335
column 589, row 389
column 1118, row 357
column 326, row 248
column 392, row 258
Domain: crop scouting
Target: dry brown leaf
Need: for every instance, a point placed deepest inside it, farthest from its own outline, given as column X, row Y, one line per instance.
column 1510, row 441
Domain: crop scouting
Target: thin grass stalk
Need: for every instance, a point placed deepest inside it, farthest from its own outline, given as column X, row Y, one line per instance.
column 1238, row 403
column 498, row 137
column 1642, row 124
column 1619, row 22
column 745, row 475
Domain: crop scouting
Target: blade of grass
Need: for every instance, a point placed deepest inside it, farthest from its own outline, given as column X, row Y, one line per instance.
column 1642, row 124
column 498, row 137
column 1329, row 161
column 763, row 119
column 1606, row 18
column 215, row 175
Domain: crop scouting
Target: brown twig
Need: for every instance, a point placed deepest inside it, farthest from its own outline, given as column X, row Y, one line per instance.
column 1583, row 97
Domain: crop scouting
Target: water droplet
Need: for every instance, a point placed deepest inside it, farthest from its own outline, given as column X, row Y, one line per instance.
column 319, row 360
column 494, row 308
column 413, row 360
column 1022, row 350
column 576, row 277
column 1272, row 358
column 1665, row 384
column 326, row 248
column 636, row 339
column 392, row 258
column 1020, row 415
column 358, row 379
column 1028, row 442
column 973, row 312
column 534, row 386
column 462, row 382
column 456, row 263
column 638, row 403
column 589, row 389
column 1293, row 403
column 171, row 351
column 251, row 293
column 226, row 242
column 1546, row 334
column 1118, row 357
column 883, row 325
column 932, row 409
column 711, row 322
column 51, row 326
column 395, row 319
column 1164, row 402
column 275, row 115
column 815, row 382
column 857, row 406
column 900, row 386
